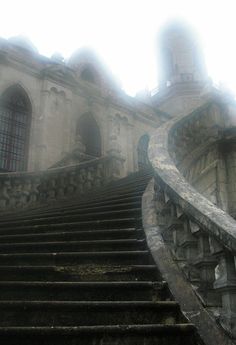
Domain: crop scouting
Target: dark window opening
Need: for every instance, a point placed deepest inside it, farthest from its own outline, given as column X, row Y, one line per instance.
column 90, row 135
column 15, row 116
column 88, row 75
column 143, row 160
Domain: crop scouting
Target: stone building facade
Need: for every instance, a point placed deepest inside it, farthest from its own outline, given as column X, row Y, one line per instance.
column 76, row 106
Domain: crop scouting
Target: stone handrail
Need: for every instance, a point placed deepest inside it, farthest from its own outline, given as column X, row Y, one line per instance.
column 26, row 189
column 201, row 236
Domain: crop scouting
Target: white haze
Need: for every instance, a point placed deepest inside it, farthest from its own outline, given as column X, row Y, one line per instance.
column 123, row 33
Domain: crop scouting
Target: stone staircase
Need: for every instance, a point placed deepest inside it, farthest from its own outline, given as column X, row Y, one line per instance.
column 81, row 273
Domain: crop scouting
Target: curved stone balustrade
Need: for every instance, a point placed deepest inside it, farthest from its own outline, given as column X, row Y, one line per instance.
column 25, row 189
column 200, row 235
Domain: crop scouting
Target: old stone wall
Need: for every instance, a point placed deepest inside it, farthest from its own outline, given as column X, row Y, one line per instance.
column 59, row 97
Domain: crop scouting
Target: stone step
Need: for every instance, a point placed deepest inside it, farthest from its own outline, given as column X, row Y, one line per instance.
column 76, row 210
column 81, row 216
column 73, row 246
column 79, row 272
column 88, row 313
column 129, row 233
column 121, row 223
column 159, row 334
column 57, row 205
column 83, row 291
column 65, row 258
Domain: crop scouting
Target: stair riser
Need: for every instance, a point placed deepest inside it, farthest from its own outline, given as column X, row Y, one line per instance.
column 98, row 202
column 99, row 339
column 73, row 218
column 85, row 316
column 8, row 274
column 64, row 260
column 91, row 225
column 69, row 247
column 85, row 293
column 75, row 236
column 73, row 210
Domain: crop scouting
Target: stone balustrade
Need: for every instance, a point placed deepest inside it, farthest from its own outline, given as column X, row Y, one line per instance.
column 200, row 235
column 20, row 190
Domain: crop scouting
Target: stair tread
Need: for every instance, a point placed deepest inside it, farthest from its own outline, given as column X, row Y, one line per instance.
column 95, row 304
column 90, row 283
column 115, row 241
column 187, row 327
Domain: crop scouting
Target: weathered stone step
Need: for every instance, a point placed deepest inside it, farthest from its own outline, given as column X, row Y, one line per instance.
column 79, row 272
column 64, row 259
column 64, row 313
column 75, row 210
column 81, row 216
column 58, row 205
column 73, row 246
column 129, row 233
column 83, row 291
column 120, row 223
column 159, row 334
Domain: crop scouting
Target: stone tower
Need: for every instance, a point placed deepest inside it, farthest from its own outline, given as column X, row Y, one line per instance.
column 182, row 71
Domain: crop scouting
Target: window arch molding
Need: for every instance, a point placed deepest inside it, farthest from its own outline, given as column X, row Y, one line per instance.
column 15, row 121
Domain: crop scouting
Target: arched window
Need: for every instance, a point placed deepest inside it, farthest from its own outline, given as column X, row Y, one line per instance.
column 143, row 161
column 15, row 117
column 89, row 132
column 88, row 75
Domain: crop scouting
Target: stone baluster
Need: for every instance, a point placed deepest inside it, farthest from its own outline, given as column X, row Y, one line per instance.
column 225, row 284
column 92, row 176
column 175, row 227
column 98, row 175
column 51, row 188
column 186, row 245
column 205, row 263
column 34, row 195
column 61, row 182
column 4, row 196
column 163, row 211
column 26, row 191
column 16, row 193
column 43, row 189
column 82, row 180
column 89, row 179
column 71, row 183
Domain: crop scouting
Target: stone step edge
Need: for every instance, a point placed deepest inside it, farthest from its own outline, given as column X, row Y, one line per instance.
column 68, row 243
column 111, row 329
column 24, row 305
column 75, row 216
column 95, row 284
column 79, row 232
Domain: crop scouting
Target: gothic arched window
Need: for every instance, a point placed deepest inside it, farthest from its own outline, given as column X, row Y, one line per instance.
column 15, row 117
column 143, row 161
column 90, row 135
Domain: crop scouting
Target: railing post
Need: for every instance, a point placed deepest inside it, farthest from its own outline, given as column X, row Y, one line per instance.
column 205, row 263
